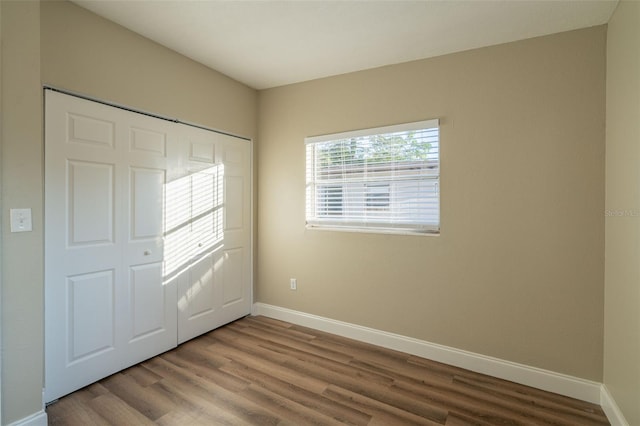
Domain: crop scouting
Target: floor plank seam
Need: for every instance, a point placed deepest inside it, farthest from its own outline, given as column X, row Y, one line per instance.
column 260, row 371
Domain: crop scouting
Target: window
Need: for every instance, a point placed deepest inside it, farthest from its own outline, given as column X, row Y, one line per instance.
column 382, row 180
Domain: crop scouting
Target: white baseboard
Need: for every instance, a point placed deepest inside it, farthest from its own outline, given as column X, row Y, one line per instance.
column 611, row 409
column 36, row 419
column 573, row 387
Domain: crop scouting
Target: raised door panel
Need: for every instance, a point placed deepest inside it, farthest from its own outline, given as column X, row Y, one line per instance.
column 87, row 341
column 91, row 315
column 152, row 314
column 90, row 194
column 147, row 301
column 198, row 298
column 89, row 130
column 178, row 250
column 233, row 290
column 147, row 203
column 207, row 209
column 201, row 291
column 202, row 149
column 234, row 199
column 147, row 141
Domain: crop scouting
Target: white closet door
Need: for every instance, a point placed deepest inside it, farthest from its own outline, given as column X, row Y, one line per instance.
column 235, row 264
column 106, row 303
column 210, row 214
column 147, row 237
column 150, row 302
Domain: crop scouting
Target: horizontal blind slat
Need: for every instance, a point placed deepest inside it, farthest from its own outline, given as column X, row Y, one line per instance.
column 386, row 180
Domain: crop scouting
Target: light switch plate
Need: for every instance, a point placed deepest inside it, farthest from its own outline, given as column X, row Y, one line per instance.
column 20, row 220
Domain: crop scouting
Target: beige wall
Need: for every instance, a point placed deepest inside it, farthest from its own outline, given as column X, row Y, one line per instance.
column 1, row 213
column 517, row 272
column 60, row 44
column 22, row 301
column 622, row 278
column 90, row 55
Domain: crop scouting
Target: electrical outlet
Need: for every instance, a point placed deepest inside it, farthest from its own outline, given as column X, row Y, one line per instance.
column 293, row 284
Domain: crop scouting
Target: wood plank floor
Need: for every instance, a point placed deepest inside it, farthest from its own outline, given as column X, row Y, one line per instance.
column 260, row 371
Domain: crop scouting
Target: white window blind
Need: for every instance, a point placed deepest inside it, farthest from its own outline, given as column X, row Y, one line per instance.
column 383, row 180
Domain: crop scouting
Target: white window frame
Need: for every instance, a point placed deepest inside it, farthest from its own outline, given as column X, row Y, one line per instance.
column 426, row 183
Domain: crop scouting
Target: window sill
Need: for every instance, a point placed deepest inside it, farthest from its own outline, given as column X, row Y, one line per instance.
column 385, row 231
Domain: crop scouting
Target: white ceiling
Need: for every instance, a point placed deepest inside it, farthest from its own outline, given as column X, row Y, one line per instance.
column 271, row 43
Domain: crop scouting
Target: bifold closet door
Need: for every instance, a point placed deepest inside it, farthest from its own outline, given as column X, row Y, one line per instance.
column 208, row 242
column 107, row 305
column 147, row 237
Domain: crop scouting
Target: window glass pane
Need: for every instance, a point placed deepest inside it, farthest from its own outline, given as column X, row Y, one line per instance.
column 384, row 179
